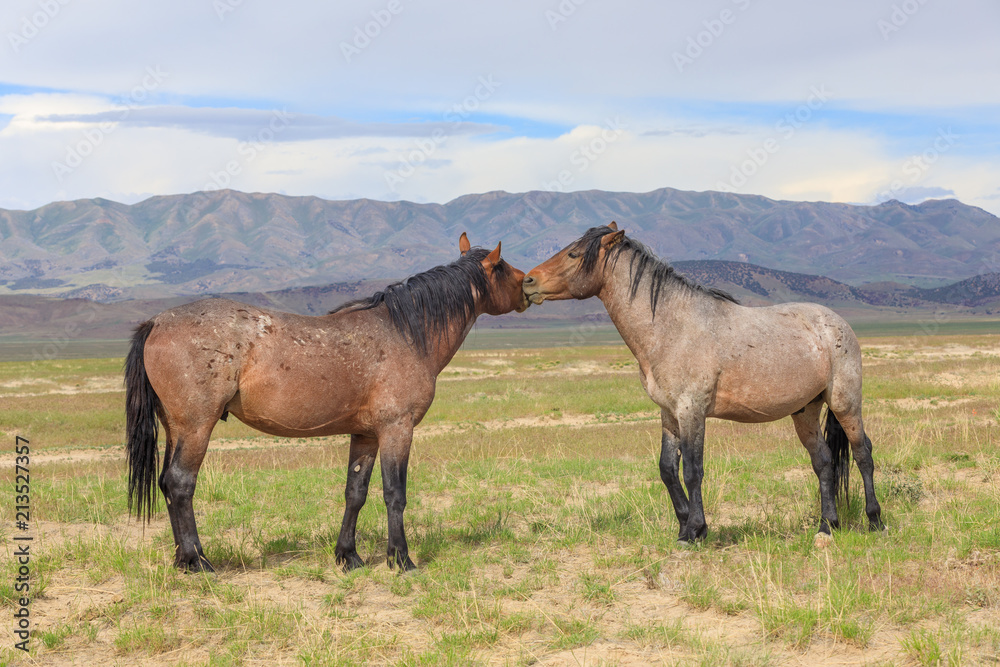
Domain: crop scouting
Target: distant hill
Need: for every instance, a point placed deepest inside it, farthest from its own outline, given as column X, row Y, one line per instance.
column 54, row 321
column 228, row 241
column 757, row 285
column 976, row 291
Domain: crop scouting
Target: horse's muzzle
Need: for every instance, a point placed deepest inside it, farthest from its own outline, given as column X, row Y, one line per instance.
column 534, row 297
column 531, row 290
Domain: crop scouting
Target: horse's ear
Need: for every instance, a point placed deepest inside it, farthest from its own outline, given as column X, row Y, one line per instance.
column 609, row 241
column 613, row 225
column 494, row 257
column 463, row 244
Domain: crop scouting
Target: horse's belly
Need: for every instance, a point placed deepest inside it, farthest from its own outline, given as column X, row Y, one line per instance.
column 766, row 394
column 754, row 411
column 298, row 411
column 282, row 425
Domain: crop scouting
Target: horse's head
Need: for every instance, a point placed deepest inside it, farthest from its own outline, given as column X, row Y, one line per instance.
column 576, row 271
column 505, row 293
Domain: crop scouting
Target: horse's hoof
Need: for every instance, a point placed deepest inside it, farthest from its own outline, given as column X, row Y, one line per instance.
column 350, row 561
column 827, row 527
column 692, row 536
column 822, row 540
column 689, row 541
column 200, row 564
column 404, row 563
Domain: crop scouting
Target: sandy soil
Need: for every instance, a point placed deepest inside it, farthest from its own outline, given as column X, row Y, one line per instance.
column 72, row 597
column 651, row 602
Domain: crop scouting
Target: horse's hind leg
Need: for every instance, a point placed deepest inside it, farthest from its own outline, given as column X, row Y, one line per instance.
column 807, row 427
column 861, row 447
column 359, row 472
column 845, row 404
column 185, row 452
column 167, row 451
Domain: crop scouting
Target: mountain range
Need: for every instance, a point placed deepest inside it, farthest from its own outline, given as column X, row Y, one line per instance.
column 228, row 241
column 56, row 324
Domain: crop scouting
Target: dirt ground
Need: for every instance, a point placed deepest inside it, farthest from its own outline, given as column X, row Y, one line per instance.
column 372, row 610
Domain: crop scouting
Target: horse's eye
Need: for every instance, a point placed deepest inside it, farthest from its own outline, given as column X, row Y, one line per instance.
column 574, row 255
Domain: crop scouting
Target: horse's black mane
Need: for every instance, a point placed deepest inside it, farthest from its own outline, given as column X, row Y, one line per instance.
column 641, row 260
column 422, row 306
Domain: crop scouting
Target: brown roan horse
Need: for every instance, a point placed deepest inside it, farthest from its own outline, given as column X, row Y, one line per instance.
column 367, row 369
column 701, row 354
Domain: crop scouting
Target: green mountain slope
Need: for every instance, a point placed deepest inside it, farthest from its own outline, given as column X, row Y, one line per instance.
column 232, row 241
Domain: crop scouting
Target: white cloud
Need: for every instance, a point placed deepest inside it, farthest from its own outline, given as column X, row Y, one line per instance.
column 944, row 54
column 243, row 123
column 359, row 118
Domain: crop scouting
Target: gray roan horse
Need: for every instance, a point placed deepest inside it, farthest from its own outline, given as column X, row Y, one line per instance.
column 367, row 369
column 701, row 354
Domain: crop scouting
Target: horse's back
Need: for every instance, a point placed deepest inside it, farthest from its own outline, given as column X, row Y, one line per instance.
column 207, row 335
column 281, row 373
column 774, row 360
column 832, row 331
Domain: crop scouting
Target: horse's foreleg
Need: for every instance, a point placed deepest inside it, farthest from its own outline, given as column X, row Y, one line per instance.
column 670, row 456
column 394, row 453
column 807, row 427
column 359, row 471
column 692, row 441
column 177, row 482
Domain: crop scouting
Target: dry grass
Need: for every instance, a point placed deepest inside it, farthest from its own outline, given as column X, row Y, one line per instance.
column 540, row 527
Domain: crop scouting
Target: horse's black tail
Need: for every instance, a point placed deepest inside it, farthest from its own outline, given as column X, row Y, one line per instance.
column 840, row 450
column 141, row 404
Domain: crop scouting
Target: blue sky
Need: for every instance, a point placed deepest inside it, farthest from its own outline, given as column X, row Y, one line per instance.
column 854, row 101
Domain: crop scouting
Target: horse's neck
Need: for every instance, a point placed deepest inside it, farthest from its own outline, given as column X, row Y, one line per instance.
column 634, row 317
column 458, row 328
